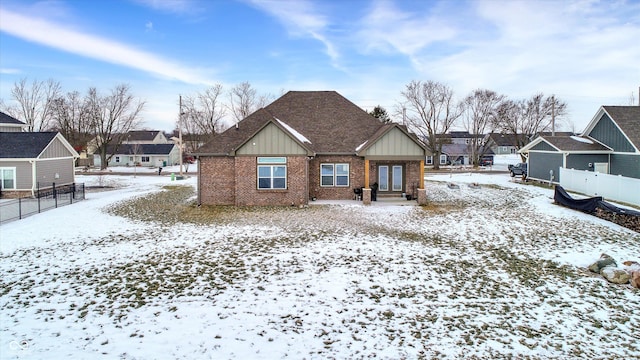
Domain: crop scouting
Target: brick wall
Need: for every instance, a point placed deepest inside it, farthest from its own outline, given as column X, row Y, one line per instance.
column 216, row 180
column 356, row 177
column 247, row 192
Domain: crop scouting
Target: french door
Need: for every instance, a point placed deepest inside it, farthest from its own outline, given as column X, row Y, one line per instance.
column 390, row 178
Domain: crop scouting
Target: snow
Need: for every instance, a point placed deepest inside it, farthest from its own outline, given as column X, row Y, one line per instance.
column 361, row 145
column 294, row 132
column 493, row 272
column 581, row 139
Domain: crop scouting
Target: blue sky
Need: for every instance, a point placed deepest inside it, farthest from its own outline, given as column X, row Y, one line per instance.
column 585, row 52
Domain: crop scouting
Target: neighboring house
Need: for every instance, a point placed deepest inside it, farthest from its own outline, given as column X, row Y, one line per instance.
column 610, row 144
column 309, row 145
column 34, row 160
column 157, row 155
column 460, row 154
column 150, row 155
column 10, row 124
column 144, row 137
column 502, row 144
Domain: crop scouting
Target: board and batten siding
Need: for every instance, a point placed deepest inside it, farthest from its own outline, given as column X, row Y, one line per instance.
column 540, row 164
column 395, row 144
column 625, row 165
column 271, row 140
column 56, row 149
column 46, row 171
column 608, row 133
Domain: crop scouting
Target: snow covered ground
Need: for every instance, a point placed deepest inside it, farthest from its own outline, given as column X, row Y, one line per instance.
column 137, row 272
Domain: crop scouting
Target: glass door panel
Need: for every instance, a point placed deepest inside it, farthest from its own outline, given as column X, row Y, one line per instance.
column 397, row 178
column 383, row 178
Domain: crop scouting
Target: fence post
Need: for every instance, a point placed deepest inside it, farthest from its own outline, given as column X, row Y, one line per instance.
column 38, row 196
column 55, row 194
column 20, row 208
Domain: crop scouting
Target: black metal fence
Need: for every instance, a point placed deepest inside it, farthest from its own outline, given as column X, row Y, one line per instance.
column 46, row 197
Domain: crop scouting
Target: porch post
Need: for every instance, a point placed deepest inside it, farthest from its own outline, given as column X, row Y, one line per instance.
column 366, row 173
column 421, row 183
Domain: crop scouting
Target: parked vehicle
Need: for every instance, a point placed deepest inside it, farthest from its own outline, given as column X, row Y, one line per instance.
column 486, row 162
column 518, row 169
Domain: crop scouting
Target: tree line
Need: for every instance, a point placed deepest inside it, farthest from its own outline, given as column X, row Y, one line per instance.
column 428, row 109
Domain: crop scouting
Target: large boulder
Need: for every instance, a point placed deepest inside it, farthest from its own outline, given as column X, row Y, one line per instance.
column 615, row 275
column 604, row 261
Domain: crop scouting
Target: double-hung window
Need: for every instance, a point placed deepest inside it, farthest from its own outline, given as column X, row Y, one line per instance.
column 272, row 173
column 334, row 175
column 430, row 160
column 145, row 159
column 443, row 159
column 8, row 178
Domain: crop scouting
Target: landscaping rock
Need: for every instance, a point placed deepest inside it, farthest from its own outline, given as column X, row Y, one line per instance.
column 605, row 260
column 614, row 275
column 635, row 279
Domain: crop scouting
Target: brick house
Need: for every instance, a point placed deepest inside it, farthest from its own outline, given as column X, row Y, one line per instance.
column 309, row 145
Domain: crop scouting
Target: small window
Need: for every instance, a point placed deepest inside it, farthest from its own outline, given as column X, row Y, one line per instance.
column 272, row 176
column 117, row 159
column 145, row 159
column 334, row 175
column 8, row 178
column 443, row 159
column 430, row 160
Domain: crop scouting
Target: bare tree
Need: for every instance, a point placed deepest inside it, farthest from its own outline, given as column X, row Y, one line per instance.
column 111, row 116
column 70, row 117
column 480, row 111
column 244, row 100
column 203, row 114
column 526, row 118
column 429, row 110
column 34, row 102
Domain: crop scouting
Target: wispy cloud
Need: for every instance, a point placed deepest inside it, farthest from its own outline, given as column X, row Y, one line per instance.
column 172, row 6
column 9, row 71
column 390, row 29
column 300, row 18
column 74, row 41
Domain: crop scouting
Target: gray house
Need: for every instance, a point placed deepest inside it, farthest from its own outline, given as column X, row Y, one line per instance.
column 32, row 160
column 610, row 144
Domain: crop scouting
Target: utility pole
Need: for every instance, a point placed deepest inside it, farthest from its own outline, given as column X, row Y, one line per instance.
column 553, row 115
column 180, row 133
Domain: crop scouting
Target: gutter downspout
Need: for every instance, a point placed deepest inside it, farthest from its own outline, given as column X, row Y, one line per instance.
column 198, row 183
column 33, row 177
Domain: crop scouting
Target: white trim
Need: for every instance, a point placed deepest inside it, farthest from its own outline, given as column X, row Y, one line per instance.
column 334, row 175
column 13, row 169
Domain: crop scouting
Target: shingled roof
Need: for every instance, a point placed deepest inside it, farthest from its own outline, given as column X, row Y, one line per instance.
column 331, row 123
column 24, row 145
column 575, row 144
column 628, row 119
column 8, row 119
column 141, row 135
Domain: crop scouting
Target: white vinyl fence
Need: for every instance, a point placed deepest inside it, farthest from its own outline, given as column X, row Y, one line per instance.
column 611, row 187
